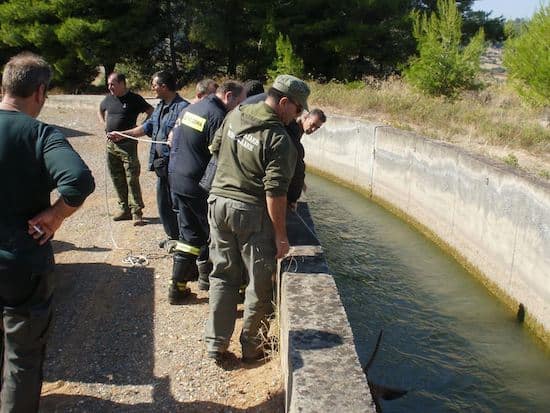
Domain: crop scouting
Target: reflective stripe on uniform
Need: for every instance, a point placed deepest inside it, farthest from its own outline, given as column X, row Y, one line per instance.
column 183, row 247
column 193, row 121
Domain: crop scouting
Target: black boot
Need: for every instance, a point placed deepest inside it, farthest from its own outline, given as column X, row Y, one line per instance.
column 178, row 292
column 183, row 270
column 205, row 268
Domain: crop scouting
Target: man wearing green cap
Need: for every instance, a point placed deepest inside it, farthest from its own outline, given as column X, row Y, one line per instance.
column 247, row 212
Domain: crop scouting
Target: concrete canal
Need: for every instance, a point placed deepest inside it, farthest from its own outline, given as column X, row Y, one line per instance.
column 447, row 340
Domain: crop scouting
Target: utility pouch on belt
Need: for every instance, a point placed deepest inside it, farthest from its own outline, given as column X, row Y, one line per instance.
column 160, row 165
column 208, row 176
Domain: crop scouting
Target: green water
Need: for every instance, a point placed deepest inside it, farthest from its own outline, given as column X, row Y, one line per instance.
column 447, row 341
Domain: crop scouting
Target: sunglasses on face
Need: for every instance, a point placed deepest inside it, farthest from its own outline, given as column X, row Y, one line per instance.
column 299, row 108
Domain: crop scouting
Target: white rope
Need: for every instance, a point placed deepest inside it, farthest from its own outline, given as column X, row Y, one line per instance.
column 141, row 139
column 307, row 227
column 132, row 260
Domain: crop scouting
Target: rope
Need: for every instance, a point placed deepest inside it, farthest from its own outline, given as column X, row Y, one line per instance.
column 307, row 226
column 292, row 261
column 132, row 260
column 141, row 139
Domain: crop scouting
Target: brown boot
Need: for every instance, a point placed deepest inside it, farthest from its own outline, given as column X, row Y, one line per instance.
column 123, row 216
column 138, row 220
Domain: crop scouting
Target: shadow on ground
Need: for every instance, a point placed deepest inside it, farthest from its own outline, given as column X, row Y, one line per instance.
column 103, row 333
column 62, row 246
column 72, row 133
column 162, row 401
column 103, row 326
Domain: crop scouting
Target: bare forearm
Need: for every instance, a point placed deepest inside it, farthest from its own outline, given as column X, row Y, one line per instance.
column 276, row 209
column 101, row 117
column 43, row 225
column 62, row 209
column 135, row 132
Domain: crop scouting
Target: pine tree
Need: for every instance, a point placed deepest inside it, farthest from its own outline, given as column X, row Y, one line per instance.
column 527, row 58
column 444, row 66
column 286, row 62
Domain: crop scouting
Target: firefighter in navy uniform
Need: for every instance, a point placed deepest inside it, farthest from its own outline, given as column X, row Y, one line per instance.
column 189, row 156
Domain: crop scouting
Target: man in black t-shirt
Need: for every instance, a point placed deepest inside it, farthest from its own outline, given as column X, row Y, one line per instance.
column 119, row 111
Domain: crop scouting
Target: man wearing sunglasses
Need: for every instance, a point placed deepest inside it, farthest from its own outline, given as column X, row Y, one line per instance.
column 247, row 212
column 307, row 122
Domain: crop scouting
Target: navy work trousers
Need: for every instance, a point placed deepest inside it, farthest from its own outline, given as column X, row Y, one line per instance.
column 167, row 215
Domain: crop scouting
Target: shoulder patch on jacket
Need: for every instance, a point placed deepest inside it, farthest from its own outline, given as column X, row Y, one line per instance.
column 193, row 121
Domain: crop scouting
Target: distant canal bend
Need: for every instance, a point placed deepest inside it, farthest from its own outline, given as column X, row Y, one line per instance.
column 449, row 342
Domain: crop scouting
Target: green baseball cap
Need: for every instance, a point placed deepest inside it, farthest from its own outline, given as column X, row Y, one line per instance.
column 296, row 89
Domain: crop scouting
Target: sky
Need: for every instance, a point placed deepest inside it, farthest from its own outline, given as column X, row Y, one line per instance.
column 510, row 9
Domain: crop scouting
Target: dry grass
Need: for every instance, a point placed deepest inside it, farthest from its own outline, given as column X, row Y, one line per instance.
column 270, row 335
column 493, row 115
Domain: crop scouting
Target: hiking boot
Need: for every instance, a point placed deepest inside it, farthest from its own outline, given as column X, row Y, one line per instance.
column 217, row 356
column 123, row 216
column 177, row 294
column 254, row 358
column 138, row 220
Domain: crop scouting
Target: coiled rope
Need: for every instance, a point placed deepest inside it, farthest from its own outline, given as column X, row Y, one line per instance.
column 131, row 259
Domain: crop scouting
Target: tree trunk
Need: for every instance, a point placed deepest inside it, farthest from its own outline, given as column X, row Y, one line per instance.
column 173, row 53
column 231, row 62
column 171, row 41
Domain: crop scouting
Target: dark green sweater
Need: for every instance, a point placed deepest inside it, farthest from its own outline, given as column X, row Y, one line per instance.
column 255, row 155
column 35, row 158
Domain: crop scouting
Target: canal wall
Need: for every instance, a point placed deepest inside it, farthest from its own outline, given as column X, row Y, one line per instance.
column 492, row 218
column 321, row 368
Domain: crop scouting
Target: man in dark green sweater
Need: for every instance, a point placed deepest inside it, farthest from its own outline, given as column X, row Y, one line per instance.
column 35, row 158
column 247, row 212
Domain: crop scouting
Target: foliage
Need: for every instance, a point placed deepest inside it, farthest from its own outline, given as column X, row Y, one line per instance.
column 513, row 28
column 344, row 40
column 227, row 35
column 493, row 116
column 444, row 66
column 286, row 62
column 349, row 38
column 511, row 160
column 527, row 59
column 492, row 27
column 77, row 36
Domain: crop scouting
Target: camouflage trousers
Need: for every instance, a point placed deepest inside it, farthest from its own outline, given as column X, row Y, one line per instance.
column 123, row 162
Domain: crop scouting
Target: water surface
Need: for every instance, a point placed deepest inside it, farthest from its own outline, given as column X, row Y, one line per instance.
column 447, row 340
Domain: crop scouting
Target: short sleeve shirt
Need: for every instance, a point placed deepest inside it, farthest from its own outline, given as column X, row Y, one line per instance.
column 122, row 111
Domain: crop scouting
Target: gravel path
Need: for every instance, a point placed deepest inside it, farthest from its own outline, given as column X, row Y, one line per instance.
column 116, row 343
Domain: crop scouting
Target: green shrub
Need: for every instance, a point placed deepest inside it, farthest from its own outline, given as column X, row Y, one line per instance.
column 444, row 66
column 511, row 160
column 527, row 58
column 138, row 76
column 356, row 84
column 286, row 62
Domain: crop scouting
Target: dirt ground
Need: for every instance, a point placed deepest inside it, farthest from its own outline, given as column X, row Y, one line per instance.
column 117, row 345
